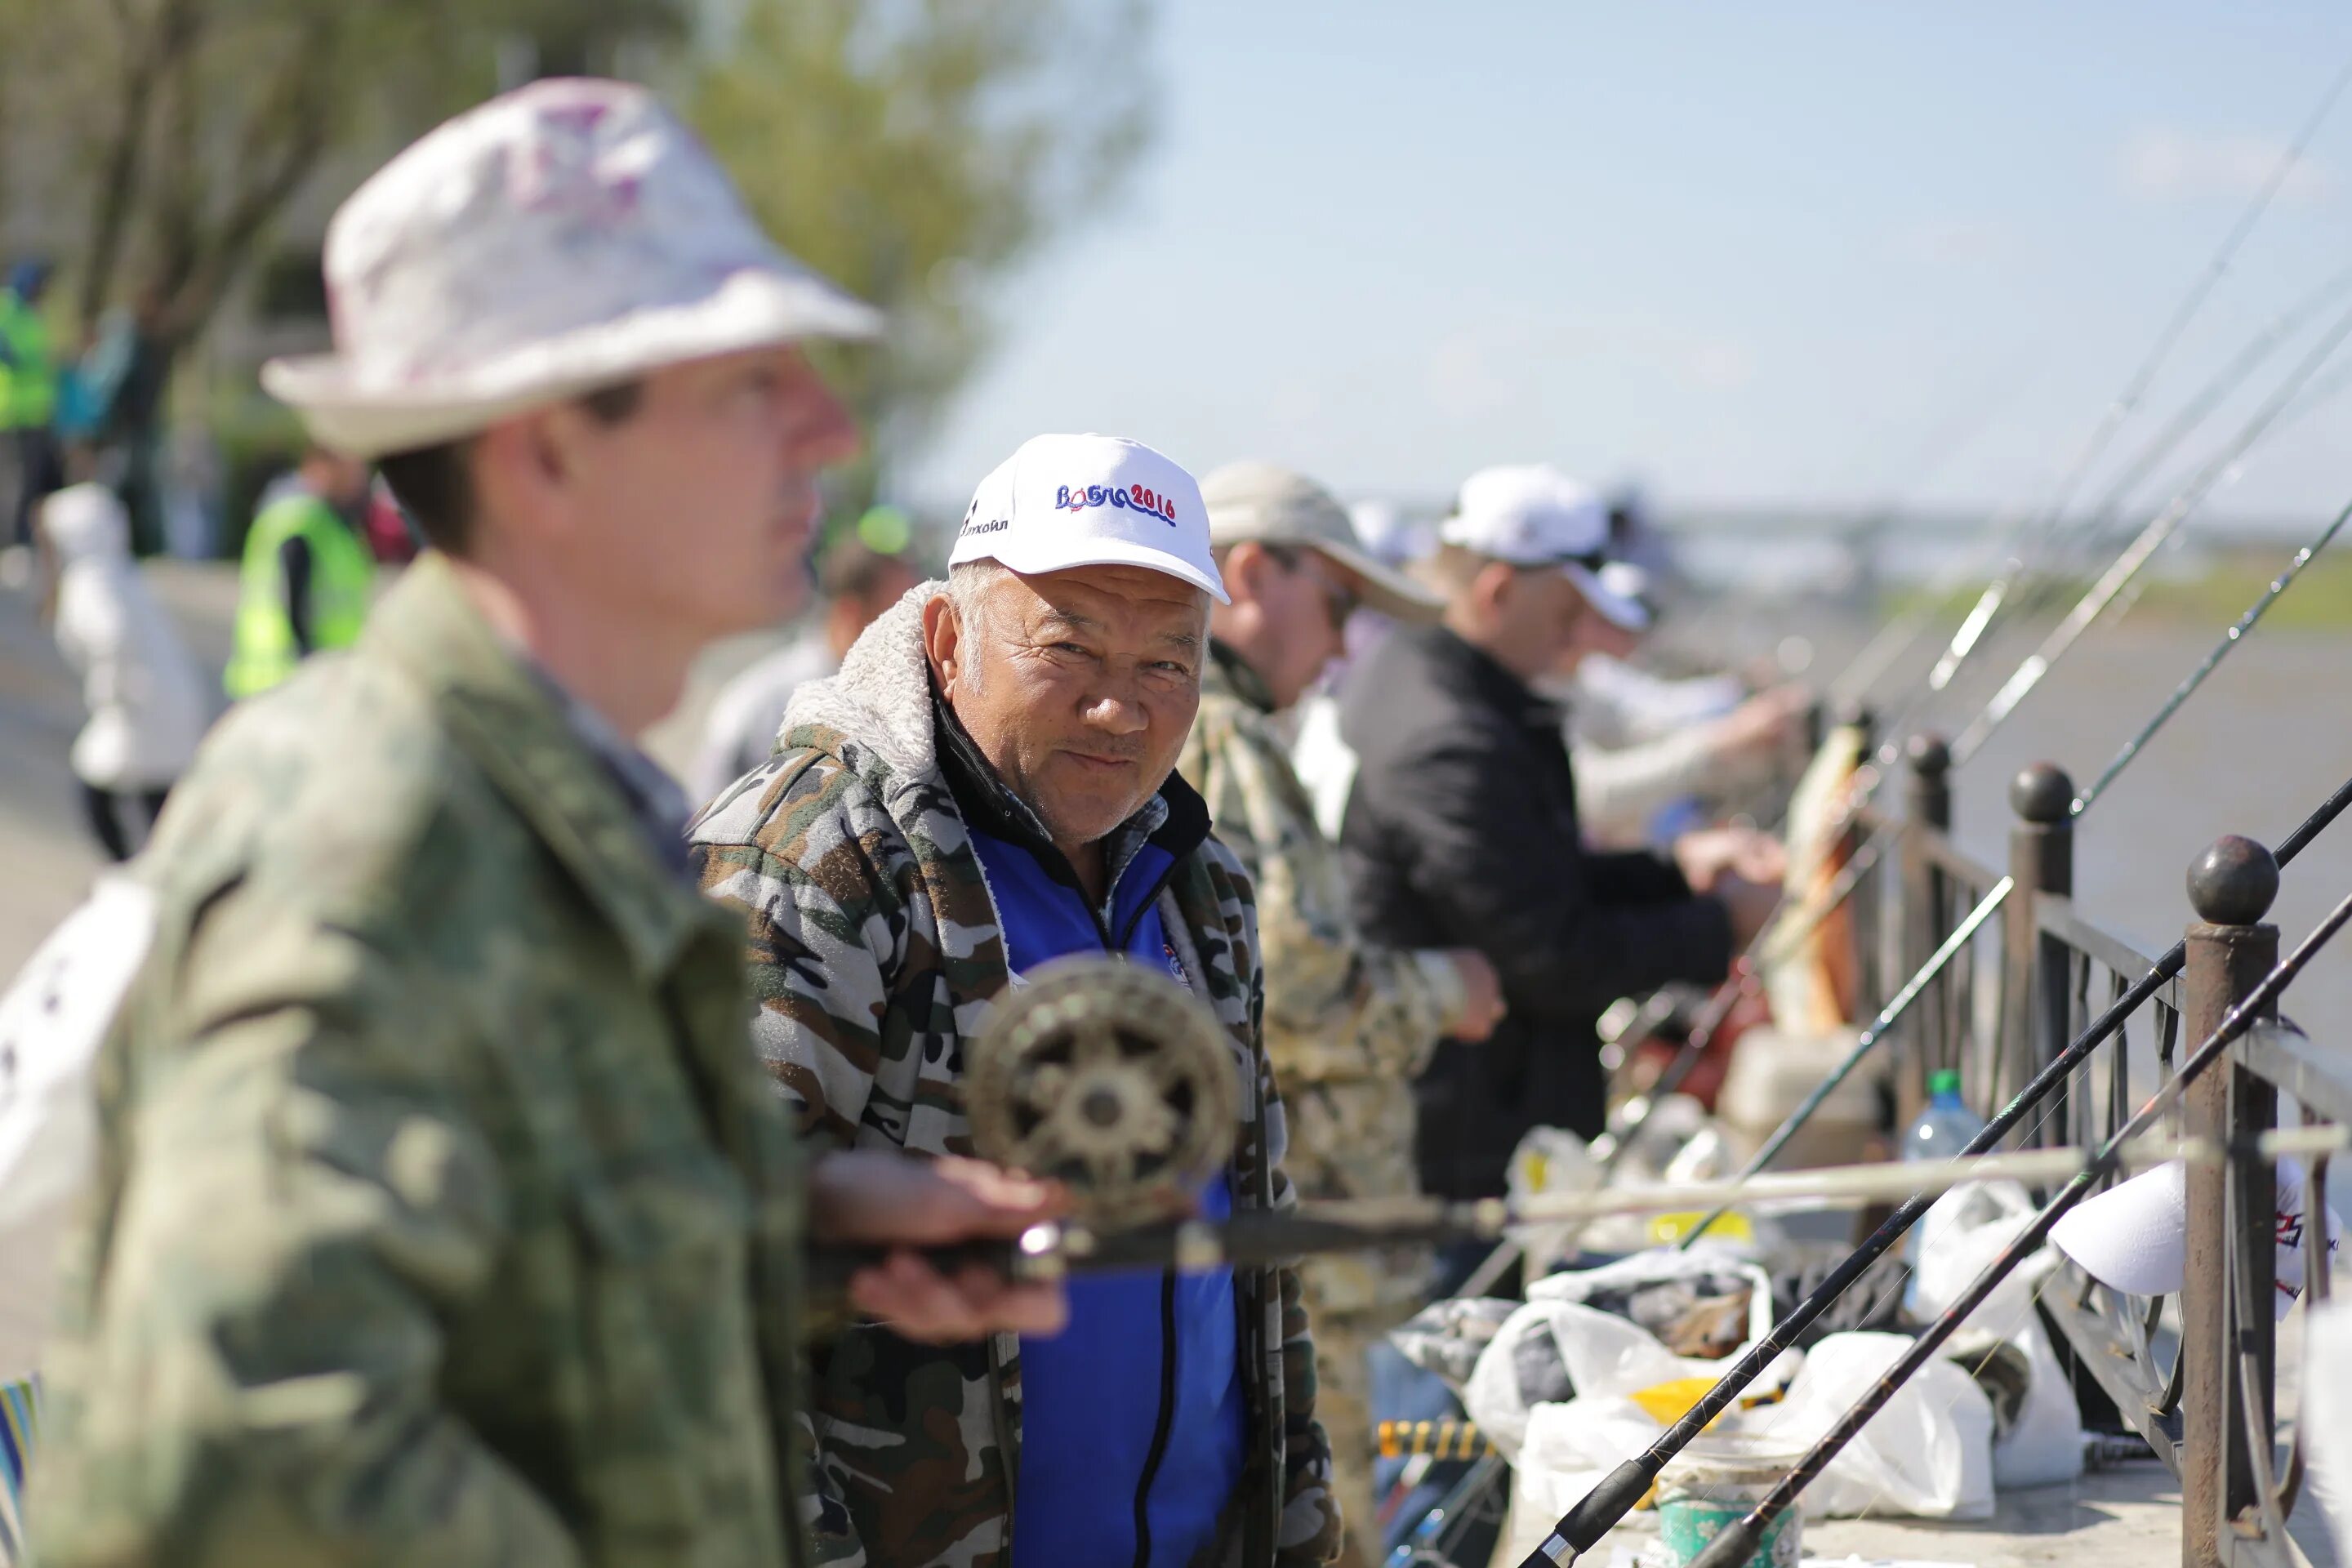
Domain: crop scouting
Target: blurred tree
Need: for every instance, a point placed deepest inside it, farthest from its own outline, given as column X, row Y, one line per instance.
column 915, row 150
column 178, row 133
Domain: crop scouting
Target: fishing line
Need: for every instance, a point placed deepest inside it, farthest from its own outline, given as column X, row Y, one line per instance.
column 1615, row 1495
column 1736, row 1541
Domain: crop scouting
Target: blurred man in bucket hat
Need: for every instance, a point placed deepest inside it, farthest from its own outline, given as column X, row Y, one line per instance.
column 442, row 1212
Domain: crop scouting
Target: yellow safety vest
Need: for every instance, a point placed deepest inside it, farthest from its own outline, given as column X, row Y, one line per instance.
column 28, row 375
column 342, row 575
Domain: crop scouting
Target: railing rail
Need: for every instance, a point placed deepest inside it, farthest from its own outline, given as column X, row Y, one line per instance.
column 2196, row 1372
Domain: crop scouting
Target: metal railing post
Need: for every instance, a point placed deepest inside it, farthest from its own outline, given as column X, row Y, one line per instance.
column 2033, row 971
column 1926, row 895
column 2230, row 886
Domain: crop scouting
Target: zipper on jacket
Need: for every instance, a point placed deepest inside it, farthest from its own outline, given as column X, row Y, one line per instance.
column 1165, row 1426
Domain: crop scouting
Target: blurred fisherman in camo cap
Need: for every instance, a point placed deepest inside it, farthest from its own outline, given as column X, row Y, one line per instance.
column 459, row 1224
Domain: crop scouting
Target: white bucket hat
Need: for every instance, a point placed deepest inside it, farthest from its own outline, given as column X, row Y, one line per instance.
column 567, row 236
column 1060, row 501
column 1533, row 515
column 1275, row 506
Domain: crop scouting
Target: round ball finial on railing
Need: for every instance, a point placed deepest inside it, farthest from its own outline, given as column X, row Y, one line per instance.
column 2233, row 883
column 2042, row 794
column 1929, row 754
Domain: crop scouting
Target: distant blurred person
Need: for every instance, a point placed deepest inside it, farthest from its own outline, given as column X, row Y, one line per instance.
column 857, row 584
column 29, row 398
column 147, row 703
column 1349, row 1023
column 1654, row 755
column 307, row 575
column 1462, row 829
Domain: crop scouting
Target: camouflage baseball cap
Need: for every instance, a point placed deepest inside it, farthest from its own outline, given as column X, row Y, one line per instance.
column 1275, row 506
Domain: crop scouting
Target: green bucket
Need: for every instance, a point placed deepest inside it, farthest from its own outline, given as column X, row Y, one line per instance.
column 1713, row 1483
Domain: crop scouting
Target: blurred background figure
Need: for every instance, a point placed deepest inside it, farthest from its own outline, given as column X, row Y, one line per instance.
column 855, row 583
column 1462, row 828
column 28, row 399
column 308, row 573
column 1349, row 1022
column 148, row 705
column 1657, row 756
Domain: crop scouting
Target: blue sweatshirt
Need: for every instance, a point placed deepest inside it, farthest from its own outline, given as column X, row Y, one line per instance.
column 1132, row 1421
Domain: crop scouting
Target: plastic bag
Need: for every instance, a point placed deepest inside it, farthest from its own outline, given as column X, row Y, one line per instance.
column 1447, row 1337
column 1927, row 1452
column 1560, row 1347
column 1966, row 1229
column 2326, row 1414
column 52, row 1021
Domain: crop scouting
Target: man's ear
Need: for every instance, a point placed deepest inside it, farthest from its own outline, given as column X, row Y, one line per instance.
column 1244, row 569
column 1492, row 585
column 522, row 468
column 943, row 641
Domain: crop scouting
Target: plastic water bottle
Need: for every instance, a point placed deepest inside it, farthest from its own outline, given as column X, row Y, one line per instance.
column 1943, row 1131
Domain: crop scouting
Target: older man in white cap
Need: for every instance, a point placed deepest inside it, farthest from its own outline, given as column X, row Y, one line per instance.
column 1461, row 828
column 1349, row 1022
column 987, row 786
column 442, row 1214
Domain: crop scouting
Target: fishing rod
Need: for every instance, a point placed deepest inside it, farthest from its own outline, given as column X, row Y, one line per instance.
column 1999, row 893
column 1600, row 1510
column 1107, row 1237
column 1734, row 1543
column 2217, row 390
column 1744, row 980
column 1792, row 924
column 2136, row 387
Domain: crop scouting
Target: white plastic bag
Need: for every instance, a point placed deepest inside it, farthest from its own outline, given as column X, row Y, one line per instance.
column 1927, row 1452
column 1965, row 1230
column 52, row 1022
column 1556, row 1347
column 2326, row 1414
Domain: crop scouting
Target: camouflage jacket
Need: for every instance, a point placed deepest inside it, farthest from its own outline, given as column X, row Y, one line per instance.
column 1349, row 1023
column 442, row 1216
column 874, row 951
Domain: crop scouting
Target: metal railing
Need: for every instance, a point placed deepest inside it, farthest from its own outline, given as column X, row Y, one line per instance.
column 2195, row 1373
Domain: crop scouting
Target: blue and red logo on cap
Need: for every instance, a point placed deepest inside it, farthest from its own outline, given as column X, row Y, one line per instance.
column 1134, row 498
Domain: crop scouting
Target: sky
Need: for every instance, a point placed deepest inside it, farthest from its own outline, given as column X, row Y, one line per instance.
column 1796, row 254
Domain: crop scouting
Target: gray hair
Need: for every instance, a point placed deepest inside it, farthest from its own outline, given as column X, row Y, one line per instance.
column 969, row 585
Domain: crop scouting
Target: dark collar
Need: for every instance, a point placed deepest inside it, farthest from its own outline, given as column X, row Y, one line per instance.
column 989, row 805
column 1239, row 678
column 1473, row 672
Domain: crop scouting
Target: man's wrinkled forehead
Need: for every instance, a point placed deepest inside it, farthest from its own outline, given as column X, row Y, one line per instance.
column 1115, row 601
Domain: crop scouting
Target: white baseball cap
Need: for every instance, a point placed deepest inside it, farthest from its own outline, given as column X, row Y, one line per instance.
column 1531, row 514
column 1089, row 500
column 564, row 236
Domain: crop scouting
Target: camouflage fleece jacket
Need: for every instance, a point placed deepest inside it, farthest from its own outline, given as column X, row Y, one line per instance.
column 1349, row 1023
column 874, row 951
column 440, row 1217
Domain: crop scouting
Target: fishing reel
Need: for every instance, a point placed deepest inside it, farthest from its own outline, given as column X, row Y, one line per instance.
column 1110, row 1079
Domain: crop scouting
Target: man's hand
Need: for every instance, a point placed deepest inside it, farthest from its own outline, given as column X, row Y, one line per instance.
column 1750, row 903
column 1711, row 854
column 1482, row 987
column 1762, row 726
column 878, row 1198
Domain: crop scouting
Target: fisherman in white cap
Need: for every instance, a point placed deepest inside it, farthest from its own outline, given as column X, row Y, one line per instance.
column 1462, row 827
column 987, row 786
column 1349, row 1022
column 441, row 1214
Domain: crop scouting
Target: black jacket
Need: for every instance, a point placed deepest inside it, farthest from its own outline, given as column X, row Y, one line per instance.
column 1461, row 831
